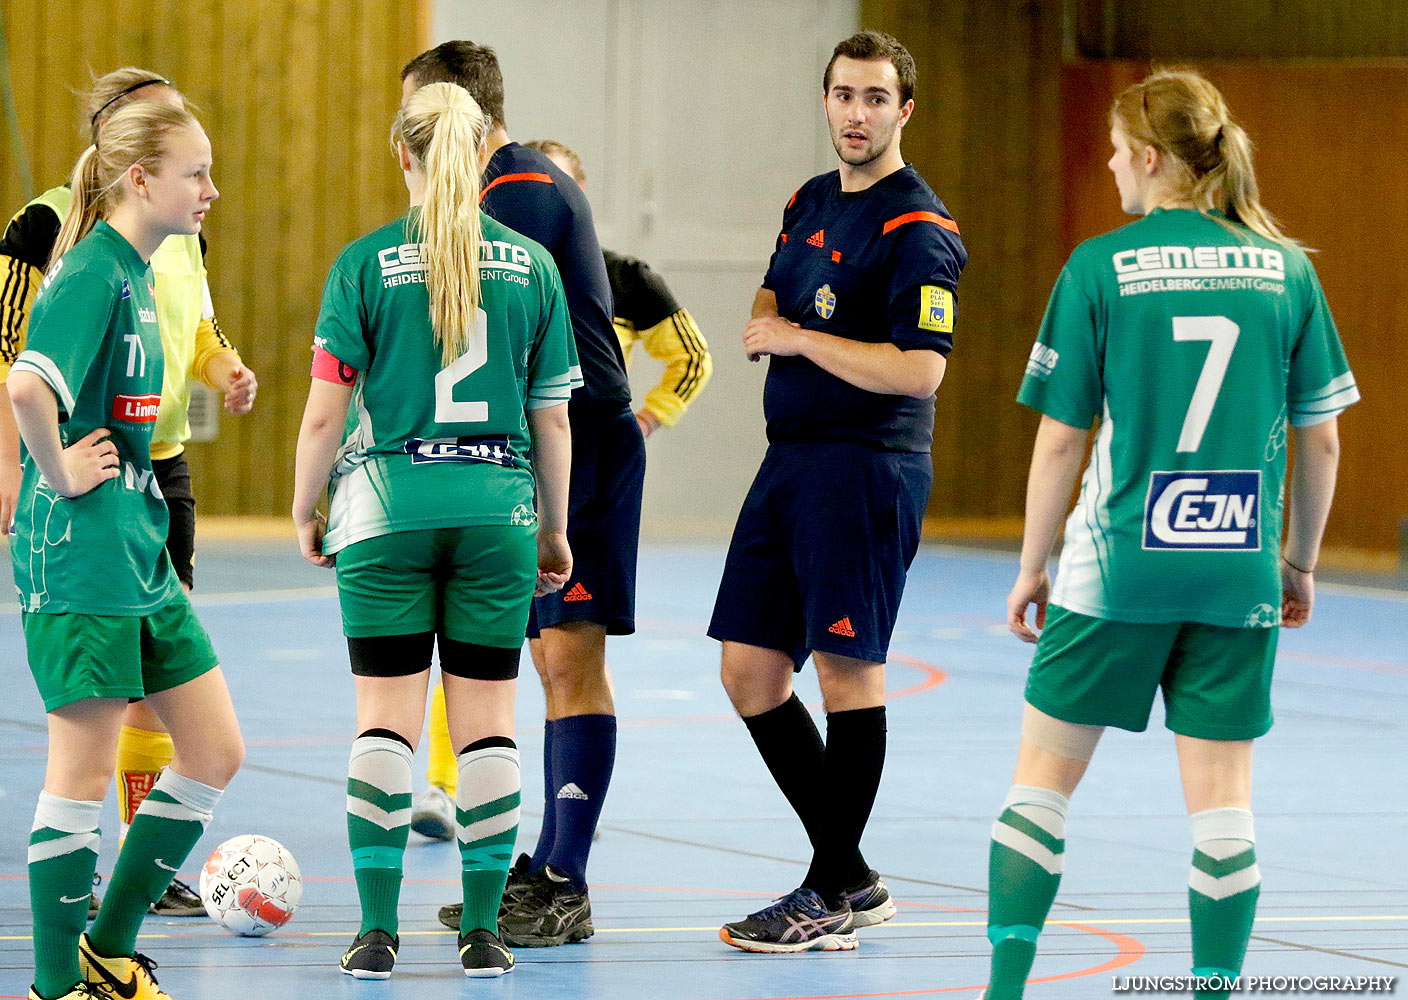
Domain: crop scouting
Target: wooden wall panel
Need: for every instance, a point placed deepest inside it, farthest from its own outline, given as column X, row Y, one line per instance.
column 985, row 134
column 297, row 96
column 1238, row 29
column 1331, row 189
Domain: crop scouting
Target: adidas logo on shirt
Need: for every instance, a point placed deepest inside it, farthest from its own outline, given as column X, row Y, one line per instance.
column 571, row 791
column 843, row 627
column 818, row 238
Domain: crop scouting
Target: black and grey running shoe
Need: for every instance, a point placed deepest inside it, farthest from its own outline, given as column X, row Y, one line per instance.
column 550, row 912
column 179, row 900
column 519, row 882
column 371, row 955
column 870, row 901
column 483, row 955
column 799, row 921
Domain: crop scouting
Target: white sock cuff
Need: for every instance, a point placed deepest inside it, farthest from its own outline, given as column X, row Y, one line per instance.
column 1222, row 824
column 1033, row 795
column 67, row 815
column 195, row 795
column 363, row 745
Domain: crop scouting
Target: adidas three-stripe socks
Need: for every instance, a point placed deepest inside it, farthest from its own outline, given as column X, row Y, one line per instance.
column 487, row 808
column 378, row 823
column 1024, row 870
column 584, row 754
column 63, row 853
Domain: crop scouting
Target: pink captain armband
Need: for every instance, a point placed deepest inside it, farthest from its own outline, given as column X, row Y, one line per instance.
column 328, row 368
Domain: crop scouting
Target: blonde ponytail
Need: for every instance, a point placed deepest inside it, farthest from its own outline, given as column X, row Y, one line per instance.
column 443, row 129
column 137, row 133
column 83, row 215
column 1208, row 156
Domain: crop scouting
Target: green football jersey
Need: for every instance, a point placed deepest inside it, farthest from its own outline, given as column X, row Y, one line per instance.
column 1194, row 343
column 430, row 445
column 93, row 338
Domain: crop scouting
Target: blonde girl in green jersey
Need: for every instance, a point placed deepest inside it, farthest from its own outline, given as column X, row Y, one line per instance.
column 448, row 337
column 1194, row 336
column 105, row 617
column 193, row 348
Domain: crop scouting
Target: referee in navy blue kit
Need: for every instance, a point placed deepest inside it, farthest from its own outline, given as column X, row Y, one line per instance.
column 856, row 315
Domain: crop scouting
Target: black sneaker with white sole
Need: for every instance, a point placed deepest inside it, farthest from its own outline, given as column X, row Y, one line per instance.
column 870, row 901
column 483, row 955
column 799, row 921
column 519, row 882
column 179, row 900
column 371, row 955
column 550, row 912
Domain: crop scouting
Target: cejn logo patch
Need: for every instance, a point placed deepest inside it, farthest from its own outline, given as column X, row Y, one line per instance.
column 494, row 450
column 1203, row 511
column 136, row 409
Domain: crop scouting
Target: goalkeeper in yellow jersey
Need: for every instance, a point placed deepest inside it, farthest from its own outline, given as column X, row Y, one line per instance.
column 646, row 313
column 193, row 345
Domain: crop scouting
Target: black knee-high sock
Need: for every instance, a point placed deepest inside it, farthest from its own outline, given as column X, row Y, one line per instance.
column 791, row 747
column 855, row 758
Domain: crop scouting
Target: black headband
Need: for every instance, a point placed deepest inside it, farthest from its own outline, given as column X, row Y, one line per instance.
column 93, row 123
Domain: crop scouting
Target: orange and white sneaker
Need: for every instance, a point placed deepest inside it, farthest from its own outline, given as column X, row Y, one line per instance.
column 129, row 977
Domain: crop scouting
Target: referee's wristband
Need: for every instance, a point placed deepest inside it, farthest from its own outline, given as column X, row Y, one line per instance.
column 1295, row 567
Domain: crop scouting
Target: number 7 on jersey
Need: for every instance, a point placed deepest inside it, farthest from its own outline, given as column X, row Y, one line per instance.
column 1221, row 333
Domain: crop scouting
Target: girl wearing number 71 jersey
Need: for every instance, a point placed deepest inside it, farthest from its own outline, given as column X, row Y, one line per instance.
column 1194, row 336
column 447, row 336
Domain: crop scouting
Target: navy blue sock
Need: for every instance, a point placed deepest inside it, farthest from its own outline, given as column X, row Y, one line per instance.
column 548, row 833
column 584, row 752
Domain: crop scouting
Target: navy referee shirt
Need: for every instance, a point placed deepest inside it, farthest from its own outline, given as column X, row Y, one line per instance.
column 526, row 191
column 877, row 266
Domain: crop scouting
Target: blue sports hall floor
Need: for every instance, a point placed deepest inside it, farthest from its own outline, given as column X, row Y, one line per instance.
column 695, row 834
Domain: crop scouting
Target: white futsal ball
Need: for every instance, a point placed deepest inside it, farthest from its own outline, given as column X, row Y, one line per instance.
column 251, row 885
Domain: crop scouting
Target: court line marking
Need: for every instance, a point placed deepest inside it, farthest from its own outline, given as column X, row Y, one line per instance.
column 1329, row 951
column 1086, row 925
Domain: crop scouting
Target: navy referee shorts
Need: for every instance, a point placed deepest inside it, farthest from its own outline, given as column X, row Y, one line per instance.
column 821, row 549
column 603, row 524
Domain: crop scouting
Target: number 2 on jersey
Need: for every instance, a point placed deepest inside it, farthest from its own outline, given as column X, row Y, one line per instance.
column 1221, row 334
column 448, row 410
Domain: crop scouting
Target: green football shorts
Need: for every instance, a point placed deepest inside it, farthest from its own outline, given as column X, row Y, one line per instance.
column 474, row 584
column 75, row 656
column 1216, row 681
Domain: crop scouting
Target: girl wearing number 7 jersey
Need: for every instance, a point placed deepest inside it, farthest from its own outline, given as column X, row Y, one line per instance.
column 447, row 336
column 1194, row 335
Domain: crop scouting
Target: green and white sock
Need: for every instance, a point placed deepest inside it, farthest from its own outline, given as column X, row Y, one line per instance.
column 487, row 805
column 1024, row 870
column 1223, row 885
column 63, row 852
column 378, row 823
column 164, row 829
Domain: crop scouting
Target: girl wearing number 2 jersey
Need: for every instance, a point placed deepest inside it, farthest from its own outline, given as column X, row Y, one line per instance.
column 443, row 363
column 1194, row 336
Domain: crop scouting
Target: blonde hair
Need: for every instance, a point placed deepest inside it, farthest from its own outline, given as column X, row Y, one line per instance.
column 551, row 147
column 443, row 129
column 1209, row 156
column 113, row 91
column 137, row 133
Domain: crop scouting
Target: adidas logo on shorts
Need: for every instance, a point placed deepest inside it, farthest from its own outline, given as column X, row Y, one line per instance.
column 843, row 627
